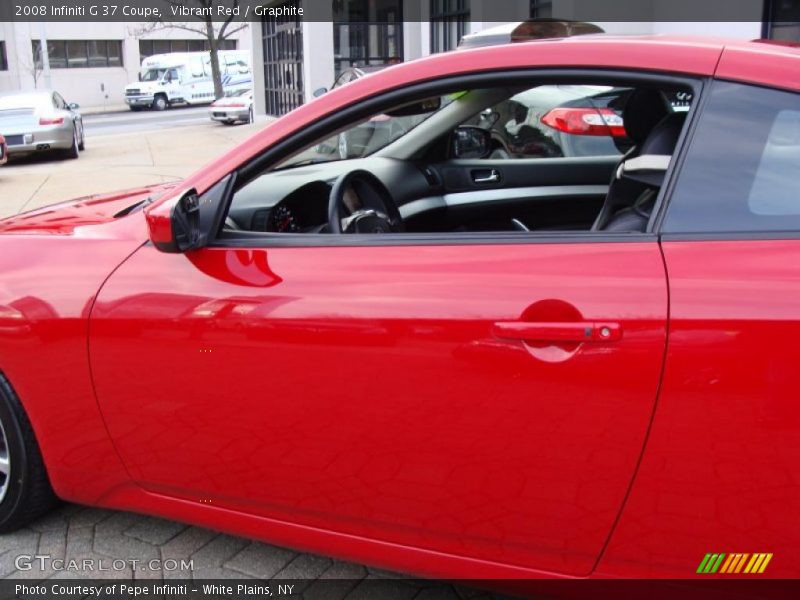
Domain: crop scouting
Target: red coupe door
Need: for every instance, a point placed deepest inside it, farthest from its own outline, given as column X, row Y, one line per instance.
column 720, row 473
column 488, row 401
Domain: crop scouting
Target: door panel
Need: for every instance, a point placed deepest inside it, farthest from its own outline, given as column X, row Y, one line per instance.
column 720, row 471
column 460, row 175
column 376, row 391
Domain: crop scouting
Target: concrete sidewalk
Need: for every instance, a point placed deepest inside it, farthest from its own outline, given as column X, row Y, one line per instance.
column 116, row 162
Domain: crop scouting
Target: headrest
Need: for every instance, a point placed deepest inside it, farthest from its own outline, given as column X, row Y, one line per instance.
column 643, row 110
column 650, row 166
column 664, row 136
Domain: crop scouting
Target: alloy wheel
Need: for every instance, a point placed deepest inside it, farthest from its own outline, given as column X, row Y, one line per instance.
column 5, row 463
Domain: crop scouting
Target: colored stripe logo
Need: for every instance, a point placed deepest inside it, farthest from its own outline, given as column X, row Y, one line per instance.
column 735, row 562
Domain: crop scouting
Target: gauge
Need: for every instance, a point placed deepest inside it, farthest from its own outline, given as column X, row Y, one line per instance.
column 284, row 221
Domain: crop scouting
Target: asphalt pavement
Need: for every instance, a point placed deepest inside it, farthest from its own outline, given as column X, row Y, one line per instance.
column 145, row 120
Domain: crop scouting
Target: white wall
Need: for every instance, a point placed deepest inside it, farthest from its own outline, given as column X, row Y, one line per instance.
column 318, row 67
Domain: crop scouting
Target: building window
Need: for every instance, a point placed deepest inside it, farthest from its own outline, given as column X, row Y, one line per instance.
column 783, row 20
column 541, row 9
column 449, row 22
column 151, row 47
column 3, row 57
column 79, row 54
column 367, row 33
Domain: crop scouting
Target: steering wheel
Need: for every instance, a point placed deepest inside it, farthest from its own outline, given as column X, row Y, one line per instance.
column 378, row 212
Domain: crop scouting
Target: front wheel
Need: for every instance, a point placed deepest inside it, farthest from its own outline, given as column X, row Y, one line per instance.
column 160, row 102
column 25, row 491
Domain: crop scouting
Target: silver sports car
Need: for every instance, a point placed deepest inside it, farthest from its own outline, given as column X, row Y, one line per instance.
column 40, row 121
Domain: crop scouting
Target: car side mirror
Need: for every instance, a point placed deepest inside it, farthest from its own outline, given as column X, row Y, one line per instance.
column 320, row 91
column 470, row 142
column 175, row 226
column 73, row 106
column 187, row 221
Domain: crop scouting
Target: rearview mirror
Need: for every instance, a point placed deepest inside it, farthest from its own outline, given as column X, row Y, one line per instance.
column 470, row 142
column 489, row 117
column 320, row 91
column 73, row 106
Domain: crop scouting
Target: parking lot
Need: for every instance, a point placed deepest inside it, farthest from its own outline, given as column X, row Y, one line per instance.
column 124, row 151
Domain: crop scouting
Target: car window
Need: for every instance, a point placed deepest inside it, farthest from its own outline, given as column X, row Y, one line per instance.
column 740, row 173
column 365, row 138
column 426, row 161
column 554, row 121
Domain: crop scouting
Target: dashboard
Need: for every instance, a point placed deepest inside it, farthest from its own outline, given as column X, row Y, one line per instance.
column 557, row 194
column 296, row 200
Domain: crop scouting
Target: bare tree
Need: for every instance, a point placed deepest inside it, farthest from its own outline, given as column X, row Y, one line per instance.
column 203, row 24
column 34, row 66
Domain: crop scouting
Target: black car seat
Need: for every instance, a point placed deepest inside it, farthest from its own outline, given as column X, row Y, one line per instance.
column 634, row 187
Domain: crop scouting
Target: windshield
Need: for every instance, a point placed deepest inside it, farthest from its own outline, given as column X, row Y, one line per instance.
column 363, row 139
column 153, row 74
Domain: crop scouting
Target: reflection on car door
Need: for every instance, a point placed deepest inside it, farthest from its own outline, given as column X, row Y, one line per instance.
column 488, row 401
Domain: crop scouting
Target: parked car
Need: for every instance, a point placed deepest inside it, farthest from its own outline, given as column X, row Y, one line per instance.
column 235, row 107
column 558, row 120
column 433, row 360
column 41, row 121
column 3, row 151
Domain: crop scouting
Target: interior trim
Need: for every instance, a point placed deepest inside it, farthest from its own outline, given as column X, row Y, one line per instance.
column 544, row 192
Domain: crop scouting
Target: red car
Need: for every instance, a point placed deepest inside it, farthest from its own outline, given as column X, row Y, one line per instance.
column 431, row 360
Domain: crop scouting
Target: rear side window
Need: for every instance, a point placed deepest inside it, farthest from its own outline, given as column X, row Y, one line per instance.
column 741, row 172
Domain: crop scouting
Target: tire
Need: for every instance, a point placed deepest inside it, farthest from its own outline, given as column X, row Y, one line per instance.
column 160, row 102
column 25, row 491
column 74, row 151
column 82, row 144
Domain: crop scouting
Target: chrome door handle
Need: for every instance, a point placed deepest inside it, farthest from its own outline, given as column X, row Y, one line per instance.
column 579, row 332
column 492, row 177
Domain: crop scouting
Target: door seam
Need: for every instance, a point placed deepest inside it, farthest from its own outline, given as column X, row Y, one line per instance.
column 649, row 428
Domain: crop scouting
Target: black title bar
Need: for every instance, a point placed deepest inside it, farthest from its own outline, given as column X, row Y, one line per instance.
column 485, row 11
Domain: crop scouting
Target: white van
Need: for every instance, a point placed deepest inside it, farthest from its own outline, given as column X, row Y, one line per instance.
column 185, row 78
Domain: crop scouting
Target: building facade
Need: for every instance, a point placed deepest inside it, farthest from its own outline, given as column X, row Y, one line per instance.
column 90, row 63
column 293, row 59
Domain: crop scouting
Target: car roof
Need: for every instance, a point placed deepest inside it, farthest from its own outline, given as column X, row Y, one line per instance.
column 34, row 98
